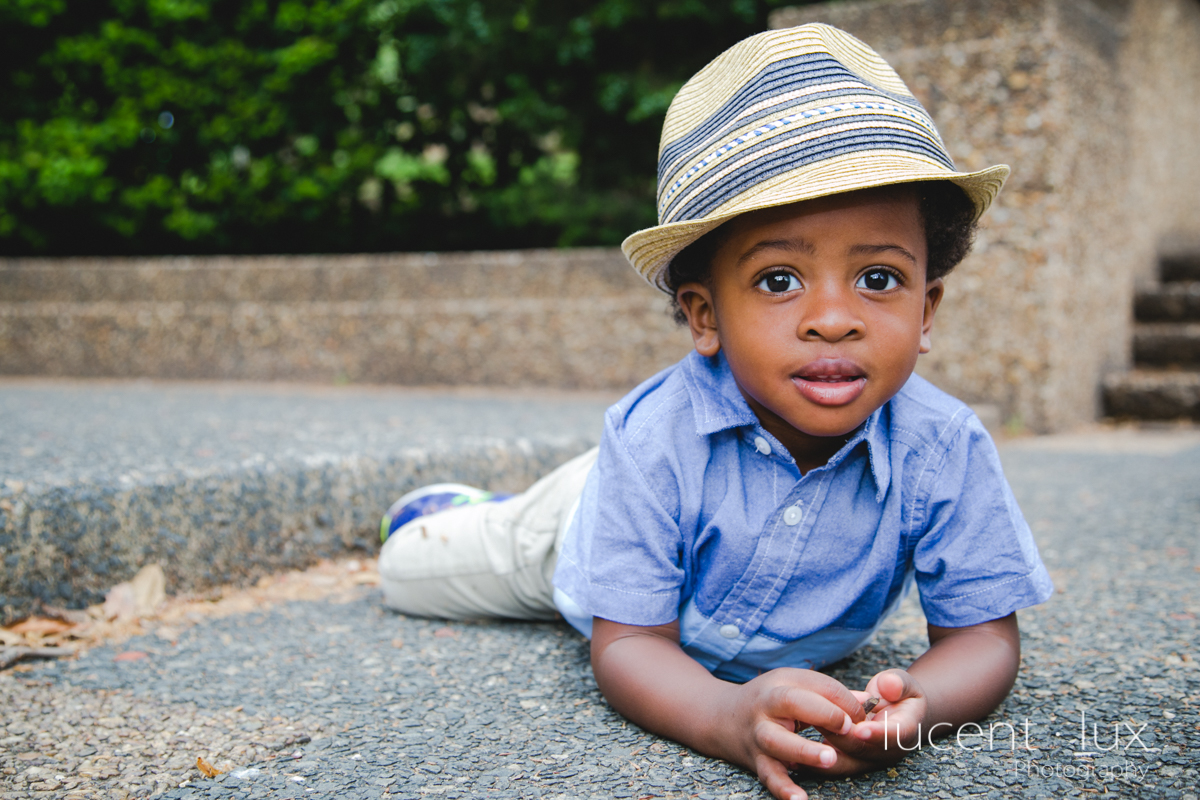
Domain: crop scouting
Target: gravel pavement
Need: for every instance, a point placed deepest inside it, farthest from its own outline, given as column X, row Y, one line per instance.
column 342, row 698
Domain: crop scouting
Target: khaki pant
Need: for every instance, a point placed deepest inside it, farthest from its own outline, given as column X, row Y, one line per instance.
column 485, row 560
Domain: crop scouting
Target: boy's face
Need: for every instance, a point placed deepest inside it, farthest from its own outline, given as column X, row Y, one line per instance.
column 821, row 308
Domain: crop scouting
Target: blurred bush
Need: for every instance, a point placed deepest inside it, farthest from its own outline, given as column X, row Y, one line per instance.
column 245, row 126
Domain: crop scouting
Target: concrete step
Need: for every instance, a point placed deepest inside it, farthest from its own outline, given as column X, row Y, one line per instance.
column 577, row 319
column 1153, row 394
column 227, row 482
column 575, row 273
column 1166, row 344
column 1180, row 267
column 1168, row 302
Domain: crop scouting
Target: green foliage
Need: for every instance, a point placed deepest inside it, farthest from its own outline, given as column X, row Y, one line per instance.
column 193, row 126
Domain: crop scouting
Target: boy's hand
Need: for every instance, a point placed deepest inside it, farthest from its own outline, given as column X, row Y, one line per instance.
column 647, row 677
column 768, row 713
column 893, row 729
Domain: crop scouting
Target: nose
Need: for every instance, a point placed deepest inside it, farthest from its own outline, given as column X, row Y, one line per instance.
column 830, row 314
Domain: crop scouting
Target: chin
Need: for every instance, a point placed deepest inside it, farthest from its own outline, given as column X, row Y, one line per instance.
column 831, row 426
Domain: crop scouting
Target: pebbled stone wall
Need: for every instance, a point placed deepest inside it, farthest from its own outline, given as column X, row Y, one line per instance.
column 1094, row 105
column 577, row 319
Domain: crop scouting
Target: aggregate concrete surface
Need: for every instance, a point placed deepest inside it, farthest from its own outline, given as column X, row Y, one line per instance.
column 342, row 698
column 224, row 482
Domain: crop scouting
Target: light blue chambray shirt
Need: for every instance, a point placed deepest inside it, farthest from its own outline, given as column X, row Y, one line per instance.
column 694, row 511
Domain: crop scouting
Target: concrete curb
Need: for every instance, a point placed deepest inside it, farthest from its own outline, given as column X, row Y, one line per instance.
column 66, row 545
column 222, row 483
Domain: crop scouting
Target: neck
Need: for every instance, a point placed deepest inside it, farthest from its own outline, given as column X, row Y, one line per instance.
column 810, row 452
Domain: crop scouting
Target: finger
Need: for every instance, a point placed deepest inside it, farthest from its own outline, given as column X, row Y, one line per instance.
column 790, row 748
column 809, row 708
column 889, row 727
column 895, row 685
column 847, row 764
column 849, row 744
column 863, row 699
column 775, row 777
column 818, row 683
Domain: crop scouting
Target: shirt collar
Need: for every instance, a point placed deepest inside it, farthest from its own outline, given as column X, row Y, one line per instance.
column 718, row 405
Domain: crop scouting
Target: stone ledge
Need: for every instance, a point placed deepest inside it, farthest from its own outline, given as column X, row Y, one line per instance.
column 582, row 272
column 1166, row 343
column 573, row 343
column 1153, row 394
column 571, row 319
column 224, row 483
column 66, row 545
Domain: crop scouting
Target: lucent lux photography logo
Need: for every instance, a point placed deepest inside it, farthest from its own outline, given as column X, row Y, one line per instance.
column 1086, row 740
column 1125, row 735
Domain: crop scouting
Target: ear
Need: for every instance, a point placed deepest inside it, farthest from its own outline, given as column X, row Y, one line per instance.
column 933, row 297
column 697, row 303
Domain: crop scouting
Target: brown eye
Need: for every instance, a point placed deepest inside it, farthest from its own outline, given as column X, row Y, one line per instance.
column 779, row 282
column 878, row 280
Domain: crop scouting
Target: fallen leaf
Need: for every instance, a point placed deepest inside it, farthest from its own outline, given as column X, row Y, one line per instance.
column 444, row 633
column 207, row 769
column 42, row 625
column 73, row 615
column 131, row 655
column 120, row 602
column 139, row 597
column 892, row 773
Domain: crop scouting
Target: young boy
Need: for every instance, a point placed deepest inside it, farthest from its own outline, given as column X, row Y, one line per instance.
column 754, row 512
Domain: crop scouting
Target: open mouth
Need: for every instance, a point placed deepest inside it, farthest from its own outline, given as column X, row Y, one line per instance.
column 830, row 382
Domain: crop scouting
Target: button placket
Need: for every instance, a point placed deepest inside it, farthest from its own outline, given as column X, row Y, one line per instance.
column 789, row 519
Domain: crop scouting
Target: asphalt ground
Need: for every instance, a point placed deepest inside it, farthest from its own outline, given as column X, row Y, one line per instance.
column 340, row 697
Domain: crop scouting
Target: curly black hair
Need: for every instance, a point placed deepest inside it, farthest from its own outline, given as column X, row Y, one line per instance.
column 948, row 214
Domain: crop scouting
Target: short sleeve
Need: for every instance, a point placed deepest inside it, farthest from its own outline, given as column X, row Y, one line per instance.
column 621, row 558
column 976, row 560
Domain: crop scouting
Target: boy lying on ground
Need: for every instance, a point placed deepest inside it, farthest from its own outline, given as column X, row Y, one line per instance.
column 754, row 512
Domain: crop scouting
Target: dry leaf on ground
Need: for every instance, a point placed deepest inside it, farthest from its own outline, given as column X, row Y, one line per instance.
column 142, row 607
column 40, row 625
column 207, row 769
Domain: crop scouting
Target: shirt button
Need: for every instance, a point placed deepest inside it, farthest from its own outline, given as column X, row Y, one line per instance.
column 730, row 631
column 761, row 445
column 792, row 515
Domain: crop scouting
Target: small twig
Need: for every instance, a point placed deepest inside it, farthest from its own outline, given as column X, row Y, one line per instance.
column 10, row 655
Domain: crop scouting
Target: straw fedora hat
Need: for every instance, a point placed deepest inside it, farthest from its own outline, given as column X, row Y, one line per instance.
column 785, row 116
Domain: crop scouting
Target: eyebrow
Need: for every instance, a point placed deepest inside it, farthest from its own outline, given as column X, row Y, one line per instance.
column 787, row 245
column 872, row 249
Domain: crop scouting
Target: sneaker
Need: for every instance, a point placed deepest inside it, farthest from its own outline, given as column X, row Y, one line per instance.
column 430, row 500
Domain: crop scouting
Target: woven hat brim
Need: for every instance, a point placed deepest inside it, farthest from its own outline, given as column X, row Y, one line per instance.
column 651, row 250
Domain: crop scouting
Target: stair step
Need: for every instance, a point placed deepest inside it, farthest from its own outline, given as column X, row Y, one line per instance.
column 1166, row 344
column 1169, row 302
column 1153, row 394
column 560, row 318
column 1181, row 267
column 224, row 483
column 370, row 277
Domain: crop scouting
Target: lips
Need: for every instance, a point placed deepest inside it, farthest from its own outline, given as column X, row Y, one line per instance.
column 830, row 381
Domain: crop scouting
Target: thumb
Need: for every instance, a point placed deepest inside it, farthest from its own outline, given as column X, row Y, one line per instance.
column 895, row 685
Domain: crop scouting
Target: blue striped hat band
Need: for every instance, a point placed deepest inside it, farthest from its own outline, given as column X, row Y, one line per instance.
column 785, row 116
